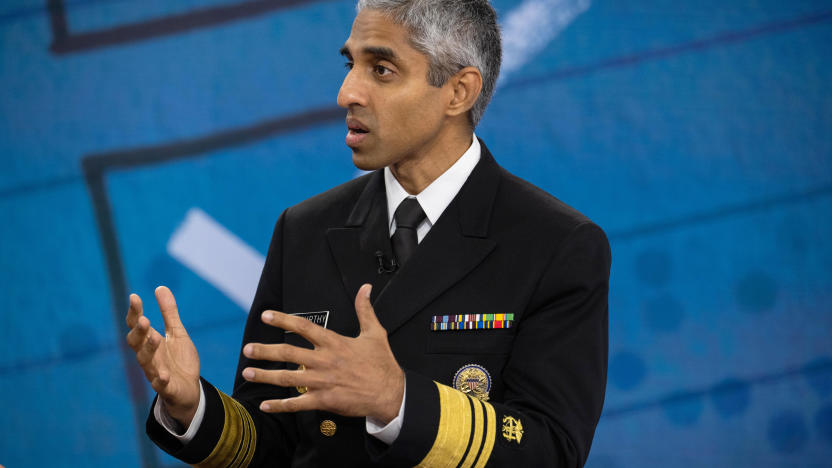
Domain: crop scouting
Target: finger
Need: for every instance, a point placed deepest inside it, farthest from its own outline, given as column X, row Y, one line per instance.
column 303, row 402
column 146, row 352
column 137, row 336
column 282, row 378
column 281, row 353
column 148, row 357
column 367, row 319
column 167, row 304
column 135, row 310
column 316, row 334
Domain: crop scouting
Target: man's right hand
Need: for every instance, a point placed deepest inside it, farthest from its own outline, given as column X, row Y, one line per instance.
column 170, row 362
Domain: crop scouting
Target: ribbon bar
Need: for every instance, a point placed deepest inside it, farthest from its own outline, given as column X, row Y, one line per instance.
column 471, row 322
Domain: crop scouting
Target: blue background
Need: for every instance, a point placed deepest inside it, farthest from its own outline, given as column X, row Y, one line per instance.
column 697, row 134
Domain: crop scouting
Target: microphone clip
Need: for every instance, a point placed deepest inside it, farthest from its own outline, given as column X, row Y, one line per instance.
column 384, row 266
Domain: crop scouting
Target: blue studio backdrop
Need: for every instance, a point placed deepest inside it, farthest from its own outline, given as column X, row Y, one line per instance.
column 156, row 142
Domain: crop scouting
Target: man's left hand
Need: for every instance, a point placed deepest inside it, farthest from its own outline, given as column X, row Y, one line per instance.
column 347, row 376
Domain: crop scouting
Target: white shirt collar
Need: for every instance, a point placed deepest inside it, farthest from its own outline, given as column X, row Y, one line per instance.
column 438, row 195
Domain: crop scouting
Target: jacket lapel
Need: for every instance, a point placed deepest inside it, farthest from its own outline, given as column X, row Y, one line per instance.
column 366, row 232
column 454, row 246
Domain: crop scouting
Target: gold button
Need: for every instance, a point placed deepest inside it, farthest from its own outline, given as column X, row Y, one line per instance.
column 328, row 428
column 302, row 389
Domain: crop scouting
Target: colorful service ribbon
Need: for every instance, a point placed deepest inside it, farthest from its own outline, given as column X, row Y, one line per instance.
column 471, row 322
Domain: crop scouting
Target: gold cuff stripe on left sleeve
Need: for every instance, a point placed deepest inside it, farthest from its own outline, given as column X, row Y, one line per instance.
column 476, row 439
column 490, row 435
column 466, row 432
column 238, row 440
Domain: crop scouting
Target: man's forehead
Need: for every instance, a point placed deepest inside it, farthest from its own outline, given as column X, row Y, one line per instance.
column 376, row 34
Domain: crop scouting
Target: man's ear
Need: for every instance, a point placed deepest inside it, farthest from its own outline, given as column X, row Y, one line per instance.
column 466, row 85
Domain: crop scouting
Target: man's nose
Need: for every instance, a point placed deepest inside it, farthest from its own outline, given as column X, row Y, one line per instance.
column 352, row 91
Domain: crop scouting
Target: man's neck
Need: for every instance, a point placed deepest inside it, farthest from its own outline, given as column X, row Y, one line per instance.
column 414, row 174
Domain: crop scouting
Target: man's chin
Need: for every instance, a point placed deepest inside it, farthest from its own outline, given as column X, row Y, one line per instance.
column 365, row 163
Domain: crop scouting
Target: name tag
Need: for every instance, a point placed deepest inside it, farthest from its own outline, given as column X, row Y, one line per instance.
column 318, row 318
column 471, row 322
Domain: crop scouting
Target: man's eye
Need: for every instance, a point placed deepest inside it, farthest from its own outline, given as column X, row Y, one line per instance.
column 382, row 70
column 348, row 65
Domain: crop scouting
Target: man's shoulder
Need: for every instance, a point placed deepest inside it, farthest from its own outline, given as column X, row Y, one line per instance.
column 528, row 204
column 533, row 220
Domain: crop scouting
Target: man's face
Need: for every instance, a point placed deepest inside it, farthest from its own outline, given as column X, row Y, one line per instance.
column 393, row 114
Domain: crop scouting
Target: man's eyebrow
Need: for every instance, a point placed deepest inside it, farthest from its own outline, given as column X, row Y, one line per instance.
column 384, row 53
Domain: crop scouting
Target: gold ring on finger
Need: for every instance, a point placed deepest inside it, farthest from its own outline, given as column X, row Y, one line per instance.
column 302, row 388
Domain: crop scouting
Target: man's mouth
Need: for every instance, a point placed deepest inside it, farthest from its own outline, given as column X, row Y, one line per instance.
column 355, row 125
column 356, row 133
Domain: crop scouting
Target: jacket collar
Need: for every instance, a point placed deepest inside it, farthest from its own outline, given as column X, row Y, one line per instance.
column 454, row 246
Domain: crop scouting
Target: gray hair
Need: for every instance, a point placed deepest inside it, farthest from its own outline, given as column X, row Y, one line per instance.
column 453, row 34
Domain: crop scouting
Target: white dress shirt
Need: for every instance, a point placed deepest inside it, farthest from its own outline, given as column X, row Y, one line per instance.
column 433, row 199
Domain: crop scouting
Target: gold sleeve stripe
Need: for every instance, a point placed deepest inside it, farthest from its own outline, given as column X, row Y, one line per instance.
column 476, row 438
column 467, row 428
column 243, row 449
column 237, row 441
column 490, row 435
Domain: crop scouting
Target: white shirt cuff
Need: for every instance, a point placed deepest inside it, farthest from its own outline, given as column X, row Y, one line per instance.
column 390, row 432
column 171, row 425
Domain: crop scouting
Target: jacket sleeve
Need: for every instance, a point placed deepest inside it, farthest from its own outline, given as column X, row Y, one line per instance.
column 554, row 379
column 234, row 432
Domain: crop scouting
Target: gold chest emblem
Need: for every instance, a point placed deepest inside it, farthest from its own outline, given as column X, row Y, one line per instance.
column 512, row 429
column 473, row 380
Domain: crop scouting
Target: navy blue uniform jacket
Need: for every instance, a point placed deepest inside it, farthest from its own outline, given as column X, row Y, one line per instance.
column 502, row 246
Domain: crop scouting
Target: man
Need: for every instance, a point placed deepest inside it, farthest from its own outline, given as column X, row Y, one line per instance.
column 437, row 312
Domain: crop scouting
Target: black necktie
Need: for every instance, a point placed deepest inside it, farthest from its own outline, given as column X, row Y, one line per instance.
column 408, row 216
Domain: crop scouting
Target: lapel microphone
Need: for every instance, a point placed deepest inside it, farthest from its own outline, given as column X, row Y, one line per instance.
column 383, row 266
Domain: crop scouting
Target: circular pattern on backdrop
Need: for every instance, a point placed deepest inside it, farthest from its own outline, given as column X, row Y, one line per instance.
column 684, row 410
column 78, row 340
column 818, row 374
column 653, row 267
column 756, row 292
column 663, row 313
column 823, row 423
column 731, row 397
column 627, row 370
column 787, row 432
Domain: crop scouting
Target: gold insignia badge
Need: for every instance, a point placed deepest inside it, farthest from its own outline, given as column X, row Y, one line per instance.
column 473, row 380
column 512, row 429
